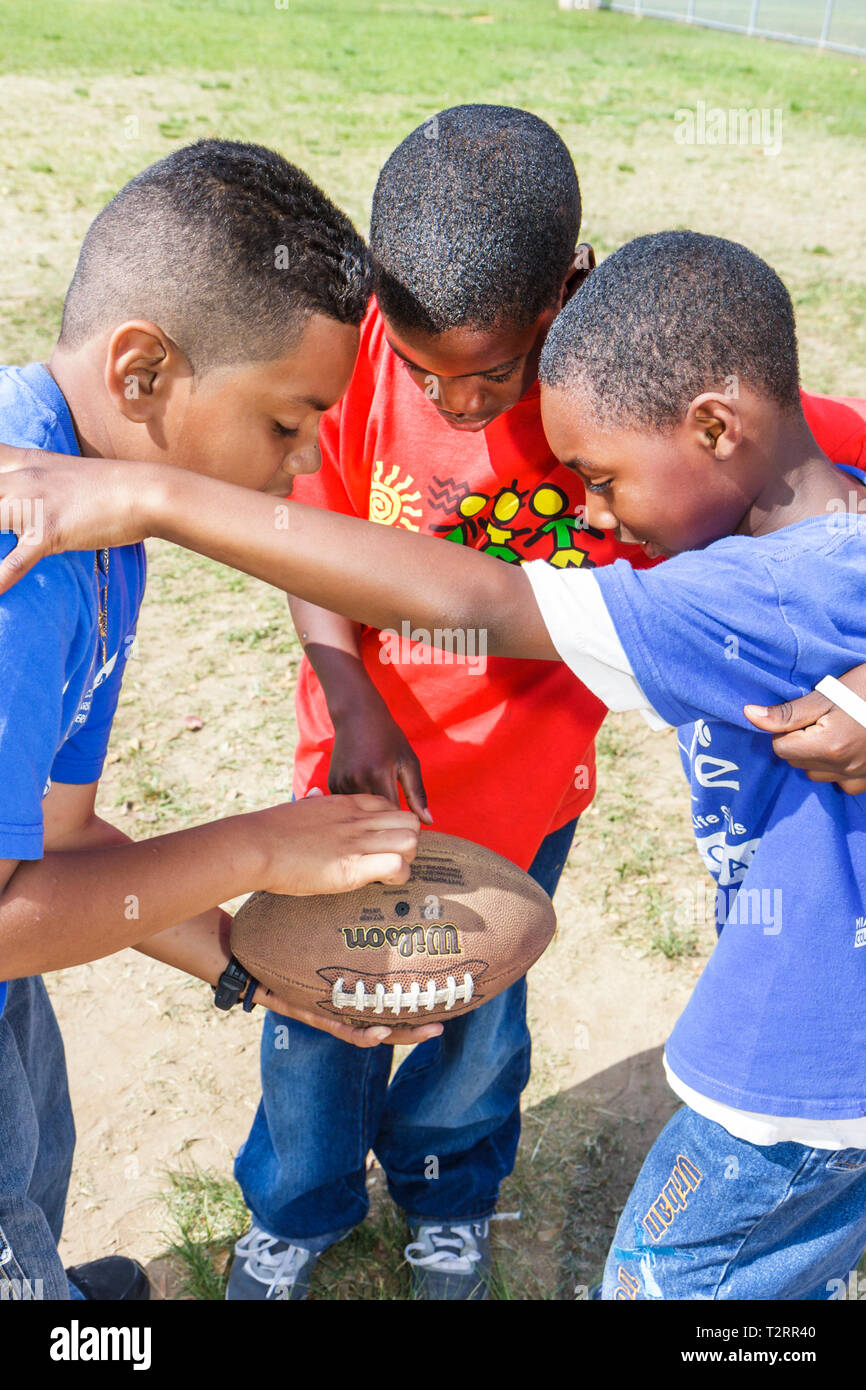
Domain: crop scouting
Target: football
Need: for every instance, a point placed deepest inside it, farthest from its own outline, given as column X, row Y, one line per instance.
column 466, row 925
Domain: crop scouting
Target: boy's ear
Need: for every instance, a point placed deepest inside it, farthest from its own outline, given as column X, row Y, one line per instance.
column 717, row 423
column 142, row 367
column 583, row 262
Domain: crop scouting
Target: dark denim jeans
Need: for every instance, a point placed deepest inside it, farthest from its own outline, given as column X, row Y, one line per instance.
column 445, row 1129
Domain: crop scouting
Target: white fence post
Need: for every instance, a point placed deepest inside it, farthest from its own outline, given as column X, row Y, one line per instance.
column 753, row 17
column 825, row 31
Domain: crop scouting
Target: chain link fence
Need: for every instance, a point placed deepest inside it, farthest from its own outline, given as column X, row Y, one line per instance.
column 839, row 25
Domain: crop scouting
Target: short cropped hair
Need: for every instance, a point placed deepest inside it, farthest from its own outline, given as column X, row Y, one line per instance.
column 474, row 222
column 227, row 247
column 667, row 317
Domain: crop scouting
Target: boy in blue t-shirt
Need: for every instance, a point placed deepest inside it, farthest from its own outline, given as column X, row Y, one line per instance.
column 757, row 1187
column 212, row 317
column 670, row 383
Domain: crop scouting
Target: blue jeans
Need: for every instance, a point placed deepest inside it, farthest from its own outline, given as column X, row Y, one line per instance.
column 37, row 1138
column 712, row 1217
column 445, row 1130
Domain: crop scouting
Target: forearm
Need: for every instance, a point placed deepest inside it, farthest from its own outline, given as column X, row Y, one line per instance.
column 198, row 946
column 79, row 905
column 332, row 644
column 369, row 573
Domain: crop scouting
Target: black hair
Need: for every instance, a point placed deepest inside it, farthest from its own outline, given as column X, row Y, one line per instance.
column 474, row 223
column 667, row 317
column 225, row 246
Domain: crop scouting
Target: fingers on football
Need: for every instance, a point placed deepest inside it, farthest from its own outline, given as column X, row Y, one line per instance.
column 379, row 868
column 370, row 802
column 408, row 1037
column 409, row 776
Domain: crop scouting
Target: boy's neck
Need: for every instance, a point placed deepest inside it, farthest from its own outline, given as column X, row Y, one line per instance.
column 83, row 389
column 805, row 483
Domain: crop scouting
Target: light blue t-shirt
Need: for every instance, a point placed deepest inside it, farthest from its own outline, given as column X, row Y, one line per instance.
column 777, row 1022
column 57, row 697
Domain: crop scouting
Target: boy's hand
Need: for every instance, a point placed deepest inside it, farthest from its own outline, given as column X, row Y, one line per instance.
column 334, row 844
column 814, row 734
column 357, row 1037
column 57, row 502
column 372, row 754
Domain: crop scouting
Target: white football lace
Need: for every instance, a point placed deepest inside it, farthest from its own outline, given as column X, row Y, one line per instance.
column 454, row 1253
column 269, row 1266
column 412, row 999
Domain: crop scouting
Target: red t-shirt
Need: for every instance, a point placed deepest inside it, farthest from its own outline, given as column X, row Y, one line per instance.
column 506, row 752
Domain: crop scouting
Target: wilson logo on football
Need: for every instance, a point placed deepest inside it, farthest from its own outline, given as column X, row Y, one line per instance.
column 409, row 941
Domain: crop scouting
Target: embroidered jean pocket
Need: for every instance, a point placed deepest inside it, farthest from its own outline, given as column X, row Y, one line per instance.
column 848, row 1160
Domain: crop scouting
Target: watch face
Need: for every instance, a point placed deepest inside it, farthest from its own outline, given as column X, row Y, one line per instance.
column 231, row 983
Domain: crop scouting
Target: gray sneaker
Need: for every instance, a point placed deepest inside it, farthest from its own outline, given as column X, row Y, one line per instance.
column 265, row 1267
column 449, row 1259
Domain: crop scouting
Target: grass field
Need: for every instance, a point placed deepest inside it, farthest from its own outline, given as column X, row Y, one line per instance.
column 91, row 92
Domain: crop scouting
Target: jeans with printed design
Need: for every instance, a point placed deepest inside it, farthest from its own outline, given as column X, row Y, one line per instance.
column 714, row 1217
column 37, row 1138
column 445, row 1129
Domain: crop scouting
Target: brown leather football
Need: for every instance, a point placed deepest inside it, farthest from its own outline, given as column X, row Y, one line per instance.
column 465, row 927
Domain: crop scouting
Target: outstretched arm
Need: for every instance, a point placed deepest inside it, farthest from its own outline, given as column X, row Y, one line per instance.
column 369, row 573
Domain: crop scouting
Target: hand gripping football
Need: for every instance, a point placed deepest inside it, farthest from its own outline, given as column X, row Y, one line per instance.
column 465, row 927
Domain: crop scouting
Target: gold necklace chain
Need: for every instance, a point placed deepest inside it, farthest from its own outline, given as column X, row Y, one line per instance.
column 102, row 600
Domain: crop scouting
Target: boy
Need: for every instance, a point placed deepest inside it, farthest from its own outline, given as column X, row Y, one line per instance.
column 439, row 432
column 180, row 338
column 757, row 1188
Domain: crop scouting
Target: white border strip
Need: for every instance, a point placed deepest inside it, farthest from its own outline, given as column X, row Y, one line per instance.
column 846, row 699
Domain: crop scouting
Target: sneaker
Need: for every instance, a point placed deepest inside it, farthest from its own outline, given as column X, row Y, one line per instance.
column 449, row 1259
column 265, row 1267
column 114, row 1279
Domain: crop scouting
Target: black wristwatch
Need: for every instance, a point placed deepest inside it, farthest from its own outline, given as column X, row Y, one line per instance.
column 232, row 983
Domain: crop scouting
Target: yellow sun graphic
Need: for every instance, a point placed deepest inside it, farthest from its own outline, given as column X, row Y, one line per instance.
column 390, row 500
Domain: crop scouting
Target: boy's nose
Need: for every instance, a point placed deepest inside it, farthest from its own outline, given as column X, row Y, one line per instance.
column 460, row 397
column 308, row 460
column 598, row 513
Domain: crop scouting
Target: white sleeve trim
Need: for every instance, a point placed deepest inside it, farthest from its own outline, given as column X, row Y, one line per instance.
column 582, row 630
column 766, row 1130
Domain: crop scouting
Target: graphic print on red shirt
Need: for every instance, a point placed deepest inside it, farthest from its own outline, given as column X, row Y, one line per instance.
column 505, row 746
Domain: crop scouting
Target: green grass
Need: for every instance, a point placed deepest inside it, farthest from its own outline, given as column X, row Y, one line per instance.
column 206, row 1215
column 335, row 85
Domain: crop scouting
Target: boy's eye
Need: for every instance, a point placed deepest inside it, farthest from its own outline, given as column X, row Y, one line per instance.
column 283, row 431
column 506, row 376
column 598, row 487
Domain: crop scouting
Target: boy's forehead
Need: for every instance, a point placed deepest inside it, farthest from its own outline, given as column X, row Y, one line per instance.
column 462, row 351
column 574, row 435
column 312, row 373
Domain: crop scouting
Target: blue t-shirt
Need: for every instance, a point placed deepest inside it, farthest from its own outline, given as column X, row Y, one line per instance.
column 57, row 698
column 777, row 1022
